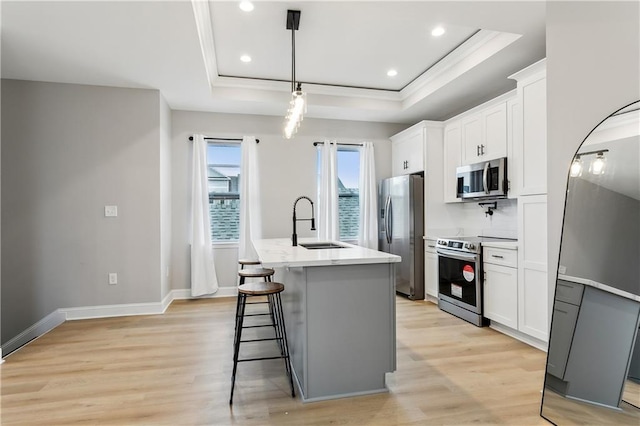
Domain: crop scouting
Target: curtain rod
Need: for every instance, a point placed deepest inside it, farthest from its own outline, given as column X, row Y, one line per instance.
column 223, row 139
column 345, row 144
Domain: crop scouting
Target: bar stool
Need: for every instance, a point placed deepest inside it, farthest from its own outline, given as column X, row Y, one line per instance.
column 272, row 290
column 247, row 262
column 266, row 274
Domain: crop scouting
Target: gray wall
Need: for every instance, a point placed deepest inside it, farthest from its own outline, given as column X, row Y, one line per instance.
column 165, row 197
column 287, row 170
column 593, row 64
column 600, row 236
column 69, row 150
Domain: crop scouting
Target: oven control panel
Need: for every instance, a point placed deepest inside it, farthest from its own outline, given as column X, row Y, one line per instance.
column 459, row 245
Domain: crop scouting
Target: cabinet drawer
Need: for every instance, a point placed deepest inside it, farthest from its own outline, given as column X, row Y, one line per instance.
column 569, row 292
column 430, row 246
column 502, row 257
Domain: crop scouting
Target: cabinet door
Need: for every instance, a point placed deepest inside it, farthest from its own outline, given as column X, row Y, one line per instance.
column 532, row 168
column 494, row 143
column 471, row 128
column 407, row 152
column 501, row 294
column 452, row 142
column 431, row 273
column 564, row 323
column 533, row 284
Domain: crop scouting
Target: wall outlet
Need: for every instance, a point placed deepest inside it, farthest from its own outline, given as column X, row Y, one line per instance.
column 113, row 278
column 111, row 211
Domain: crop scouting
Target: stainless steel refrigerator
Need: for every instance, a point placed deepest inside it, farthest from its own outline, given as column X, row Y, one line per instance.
column 401, row 222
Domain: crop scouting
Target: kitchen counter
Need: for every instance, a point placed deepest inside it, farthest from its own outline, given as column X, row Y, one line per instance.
column 339, row 308
column 510, row 245
column 600, row 286
column 278, row 252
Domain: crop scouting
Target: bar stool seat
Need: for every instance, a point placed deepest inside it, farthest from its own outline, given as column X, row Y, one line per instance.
column 255, row 273
column 248, row 262
column 272, row 291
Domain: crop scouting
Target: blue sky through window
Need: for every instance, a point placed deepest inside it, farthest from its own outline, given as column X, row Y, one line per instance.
column 349, row 168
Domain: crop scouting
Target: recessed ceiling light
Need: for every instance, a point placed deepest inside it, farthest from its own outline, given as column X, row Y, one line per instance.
column 245, row 58
column 437, row 31
column 392, row 73
column 246, row 6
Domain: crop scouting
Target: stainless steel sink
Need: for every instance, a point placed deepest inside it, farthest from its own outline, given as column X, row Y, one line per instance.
column 322, row 245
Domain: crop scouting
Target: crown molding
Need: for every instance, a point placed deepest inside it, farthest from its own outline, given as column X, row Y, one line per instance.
column 478, row 48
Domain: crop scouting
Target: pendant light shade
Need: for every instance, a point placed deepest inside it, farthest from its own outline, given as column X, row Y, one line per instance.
column 298, row 103
column 598, row 164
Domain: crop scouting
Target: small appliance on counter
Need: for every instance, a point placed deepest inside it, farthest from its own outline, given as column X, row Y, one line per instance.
column 460, row 276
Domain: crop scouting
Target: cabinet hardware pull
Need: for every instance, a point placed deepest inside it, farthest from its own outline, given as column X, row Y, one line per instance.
column 499, row 257
column 482, row 149
column 478, row 150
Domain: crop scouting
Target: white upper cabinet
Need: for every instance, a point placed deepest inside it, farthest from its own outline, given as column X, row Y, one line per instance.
column 407, row 150
column 484, row 134
column 530, row 139
column 452, row 159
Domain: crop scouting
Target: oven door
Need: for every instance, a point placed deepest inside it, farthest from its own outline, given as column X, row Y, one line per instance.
column 459, row 279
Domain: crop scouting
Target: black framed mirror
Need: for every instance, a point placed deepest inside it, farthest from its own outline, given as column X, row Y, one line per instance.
column 593, row 364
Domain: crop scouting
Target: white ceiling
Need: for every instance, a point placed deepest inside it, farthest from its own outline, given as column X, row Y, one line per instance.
column 190, row 52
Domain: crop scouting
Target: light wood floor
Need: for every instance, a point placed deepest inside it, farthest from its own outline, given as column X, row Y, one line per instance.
column 175, row 369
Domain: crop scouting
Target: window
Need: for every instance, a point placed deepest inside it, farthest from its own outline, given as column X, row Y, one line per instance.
column 348, row 193
column 223, row 170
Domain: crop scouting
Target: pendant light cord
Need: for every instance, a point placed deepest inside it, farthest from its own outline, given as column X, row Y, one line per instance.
column 293, row 60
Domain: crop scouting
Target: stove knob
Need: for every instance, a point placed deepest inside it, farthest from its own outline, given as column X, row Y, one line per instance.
column 471, row 246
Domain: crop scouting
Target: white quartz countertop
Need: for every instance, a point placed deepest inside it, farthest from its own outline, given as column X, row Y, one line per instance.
column 600, row 286
column 511, row 245
column 278, row 252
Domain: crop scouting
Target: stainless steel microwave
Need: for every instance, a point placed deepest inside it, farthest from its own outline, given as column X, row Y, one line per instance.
column 486, row 180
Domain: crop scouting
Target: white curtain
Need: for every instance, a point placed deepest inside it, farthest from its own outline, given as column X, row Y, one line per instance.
column 203, row 273
column 368, row 230
column 328, row 225
column 250, row 217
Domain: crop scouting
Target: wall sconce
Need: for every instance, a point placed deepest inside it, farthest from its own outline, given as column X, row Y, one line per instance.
column 596, row 166
column 576, row 167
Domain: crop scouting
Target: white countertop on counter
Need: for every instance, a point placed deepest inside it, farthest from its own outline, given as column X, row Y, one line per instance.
column 511, row 245
column 600, row 286
column 278, row 252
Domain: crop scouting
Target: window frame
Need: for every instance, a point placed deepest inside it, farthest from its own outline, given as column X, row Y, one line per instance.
column 235, row 242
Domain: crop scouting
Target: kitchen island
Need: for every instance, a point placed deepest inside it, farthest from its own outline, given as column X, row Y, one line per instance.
column 339, row 308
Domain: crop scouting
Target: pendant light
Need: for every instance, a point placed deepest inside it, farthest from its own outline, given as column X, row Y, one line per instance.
column 298, row 103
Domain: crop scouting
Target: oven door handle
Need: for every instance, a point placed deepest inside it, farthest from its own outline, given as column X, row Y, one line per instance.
column 457, row 255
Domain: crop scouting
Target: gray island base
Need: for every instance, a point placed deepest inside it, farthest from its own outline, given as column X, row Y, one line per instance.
column 340, row 316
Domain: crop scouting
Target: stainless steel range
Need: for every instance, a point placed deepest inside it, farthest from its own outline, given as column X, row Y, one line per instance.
column 460, row 276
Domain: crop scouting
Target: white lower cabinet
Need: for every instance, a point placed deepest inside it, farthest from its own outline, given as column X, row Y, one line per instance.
column 501, row 286
column 533, row 285
column 430, row 270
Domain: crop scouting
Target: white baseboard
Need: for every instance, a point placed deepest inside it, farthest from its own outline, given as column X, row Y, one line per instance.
column 185, row 293
column 59, row 316
column 518, row 335
column 43, row 326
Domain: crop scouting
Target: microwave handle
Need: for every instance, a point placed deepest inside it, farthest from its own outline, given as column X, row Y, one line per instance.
column 485, row 176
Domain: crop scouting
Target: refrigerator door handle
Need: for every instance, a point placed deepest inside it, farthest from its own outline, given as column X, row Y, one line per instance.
column 386, row 218
column 389, row 222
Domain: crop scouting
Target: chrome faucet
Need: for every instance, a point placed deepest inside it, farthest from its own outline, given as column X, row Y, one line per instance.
column 294, row 237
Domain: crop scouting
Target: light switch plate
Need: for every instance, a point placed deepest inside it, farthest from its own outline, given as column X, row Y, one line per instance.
column 111, row 211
